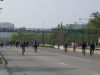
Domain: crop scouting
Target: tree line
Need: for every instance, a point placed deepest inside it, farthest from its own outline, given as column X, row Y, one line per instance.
column 60, row 35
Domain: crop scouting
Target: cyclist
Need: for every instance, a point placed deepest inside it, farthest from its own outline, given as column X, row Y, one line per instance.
column 92, row 48
column 35, row 44
column 84, row 46
column 23, row 47
column 65, row 47
column 74, row 47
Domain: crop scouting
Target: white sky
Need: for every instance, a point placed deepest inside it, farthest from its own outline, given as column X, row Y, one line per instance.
column 46, row 13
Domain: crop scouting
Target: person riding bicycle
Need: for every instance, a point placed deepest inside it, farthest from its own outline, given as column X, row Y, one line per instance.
column 84, row 46
column 23, row 47
column 65, row 47
column 74, row 46
column 35, row 45
column 92, row 48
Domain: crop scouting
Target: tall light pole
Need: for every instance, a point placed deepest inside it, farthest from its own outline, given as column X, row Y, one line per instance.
column 43, row 32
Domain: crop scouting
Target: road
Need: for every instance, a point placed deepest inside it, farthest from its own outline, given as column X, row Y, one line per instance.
column 49, row 62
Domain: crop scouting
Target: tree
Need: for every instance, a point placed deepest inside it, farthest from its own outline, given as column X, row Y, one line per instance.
column 94, row 25
column 95, row 19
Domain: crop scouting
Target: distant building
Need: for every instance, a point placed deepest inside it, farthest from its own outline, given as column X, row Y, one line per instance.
column 74, row 26
column 6, row 25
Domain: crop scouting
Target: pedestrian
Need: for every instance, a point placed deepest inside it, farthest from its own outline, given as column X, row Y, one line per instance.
column 84, row 46
column 92, row 48
column 65, row 47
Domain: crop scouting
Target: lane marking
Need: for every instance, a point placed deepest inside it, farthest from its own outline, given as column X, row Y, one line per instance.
column 43, row 57
column 62, row 63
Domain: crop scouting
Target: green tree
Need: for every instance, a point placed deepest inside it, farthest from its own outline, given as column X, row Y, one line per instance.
column 95, row 19
column 94, row 26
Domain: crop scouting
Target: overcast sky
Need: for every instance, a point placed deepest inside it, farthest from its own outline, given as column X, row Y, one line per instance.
column 46, row 13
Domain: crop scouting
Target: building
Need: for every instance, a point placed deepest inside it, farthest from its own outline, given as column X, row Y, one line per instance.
column 74, row 26
column 5, row 25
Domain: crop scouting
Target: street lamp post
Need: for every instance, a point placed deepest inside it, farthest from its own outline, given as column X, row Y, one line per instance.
column 43, row 32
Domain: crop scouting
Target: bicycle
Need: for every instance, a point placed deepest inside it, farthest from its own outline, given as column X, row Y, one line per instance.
column 83, row 51
column 91, row 52
column 65, row 50
column 35, row 49
column 23, row 51
column 74, row 49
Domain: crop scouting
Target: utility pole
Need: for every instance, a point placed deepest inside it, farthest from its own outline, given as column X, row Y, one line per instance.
column 43, row 32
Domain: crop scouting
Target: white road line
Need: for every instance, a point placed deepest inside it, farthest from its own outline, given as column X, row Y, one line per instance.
column 43, row 57
column 62, row 63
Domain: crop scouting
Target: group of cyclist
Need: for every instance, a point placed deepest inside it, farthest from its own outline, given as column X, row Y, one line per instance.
column 83, row 46
column 35, row 44
column 22, row 44
column 91, row 47
column 12, row 43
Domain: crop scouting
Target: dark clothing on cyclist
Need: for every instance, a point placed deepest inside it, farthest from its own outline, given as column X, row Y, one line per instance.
column 17, row 43
column 58, row 46
column 53, row 45
column 27, row 44
column 65, row 46
column 23, row 47
column 84, row 46
column 92, row 48
column 35, row 45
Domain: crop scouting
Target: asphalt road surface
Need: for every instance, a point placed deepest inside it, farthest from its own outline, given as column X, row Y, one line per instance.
column 49, row 62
